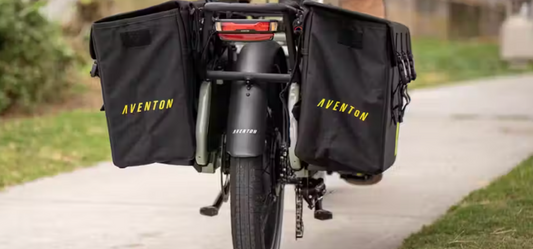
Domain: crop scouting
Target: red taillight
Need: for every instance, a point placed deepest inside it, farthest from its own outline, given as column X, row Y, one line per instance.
column 257, row 27
column 246, row 37
column 246, row 30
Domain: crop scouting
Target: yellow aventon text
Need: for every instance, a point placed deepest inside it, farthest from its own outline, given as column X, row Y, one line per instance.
column 338, row 106
column 148, row 106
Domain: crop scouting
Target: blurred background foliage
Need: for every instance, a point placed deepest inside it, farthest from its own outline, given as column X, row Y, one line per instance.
column 44, row 59
column 35, row 59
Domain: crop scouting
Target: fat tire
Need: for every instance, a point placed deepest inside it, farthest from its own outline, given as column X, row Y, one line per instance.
column 248, row 193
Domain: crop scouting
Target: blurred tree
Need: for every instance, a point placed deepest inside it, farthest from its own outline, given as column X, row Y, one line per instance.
column 516, row 5
column 87, row 12
column 35, row 61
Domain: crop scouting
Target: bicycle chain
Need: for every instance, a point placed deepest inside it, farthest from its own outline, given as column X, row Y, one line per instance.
column 299, row 213
column 286, row 176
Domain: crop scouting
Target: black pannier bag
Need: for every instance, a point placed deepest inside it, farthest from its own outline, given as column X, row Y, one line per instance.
column 145, row 61
column 355, row 71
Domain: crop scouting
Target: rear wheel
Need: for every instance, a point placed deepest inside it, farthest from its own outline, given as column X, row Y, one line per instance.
column 256, row 202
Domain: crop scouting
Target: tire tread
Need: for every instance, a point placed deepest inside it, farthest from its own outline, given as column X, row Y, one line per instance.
column 247, row 183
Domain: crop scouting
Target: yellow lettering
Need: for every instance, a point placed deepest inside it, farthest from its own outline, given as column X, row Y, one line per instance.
column 132, row 107
column 139, row 107
column 321, row 103
column 343, row 107
column 339, row 106
column 147, row 106
column 364, row 115
column 161, row 105
column 336, row 105
column 351, row 108
column 125, row 111
column 155, row 103
column 169, row 103
column 330, row 102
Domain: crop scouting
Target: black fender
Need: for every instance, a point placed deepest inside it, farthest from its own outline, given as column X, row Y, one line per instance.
column 249, row 102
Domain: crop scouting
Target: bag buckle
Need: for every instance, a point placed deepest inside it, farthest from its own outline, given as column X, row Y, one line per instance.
column 402, row 69
column 407, row 67
column 412, row 65
column 94, row 70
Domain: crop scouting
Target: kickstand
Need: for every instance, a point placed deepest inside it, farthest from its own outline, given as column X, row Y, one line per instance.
column 221, row 198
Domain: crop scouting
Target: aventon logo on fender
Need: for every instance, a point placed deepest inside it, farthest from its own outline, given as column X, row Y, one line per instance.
column 244, row 131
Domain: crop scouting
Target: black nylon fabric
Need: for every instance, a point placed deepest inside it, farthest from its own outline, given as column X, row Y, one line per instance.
column 145, row 64
column 350, row 99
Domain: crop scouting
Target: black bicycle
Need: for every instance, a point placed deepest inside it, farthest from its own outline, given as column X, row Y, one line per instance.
column 235, row 88
column 256, row 52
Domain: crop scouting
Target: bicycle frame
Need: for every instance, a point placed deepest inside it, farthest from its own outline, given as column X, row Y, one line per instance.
column 250, row 113
column 243, row 147
column 289, row 15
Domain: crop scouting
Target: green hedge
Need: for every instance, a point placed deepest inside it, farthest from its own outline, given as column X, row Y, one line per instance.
column 34, row 59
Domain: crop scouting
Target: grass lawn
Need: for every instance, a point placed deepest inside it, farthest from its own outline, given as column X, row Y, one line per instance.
column 439, row 62
column 499, row 216
column 44, row 146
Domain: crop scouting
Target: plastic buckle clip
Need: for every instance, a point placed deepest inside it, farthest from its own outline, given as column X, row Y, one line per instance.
column 94, row 70
column 402, row 68
column 412, row 64
column 408, row 67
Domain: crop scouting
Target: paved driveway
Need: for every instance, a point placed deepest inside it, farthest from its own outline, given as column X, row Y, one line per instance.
column 454, row 140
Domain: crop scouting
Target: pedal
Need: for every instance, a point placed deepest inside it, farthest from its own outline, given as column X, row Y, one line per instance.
column 322, row 214
column 209, row 211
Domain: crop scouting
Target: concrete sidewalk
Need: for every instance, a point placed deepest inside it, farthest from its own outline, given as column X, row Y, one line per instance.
column 455, row 140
